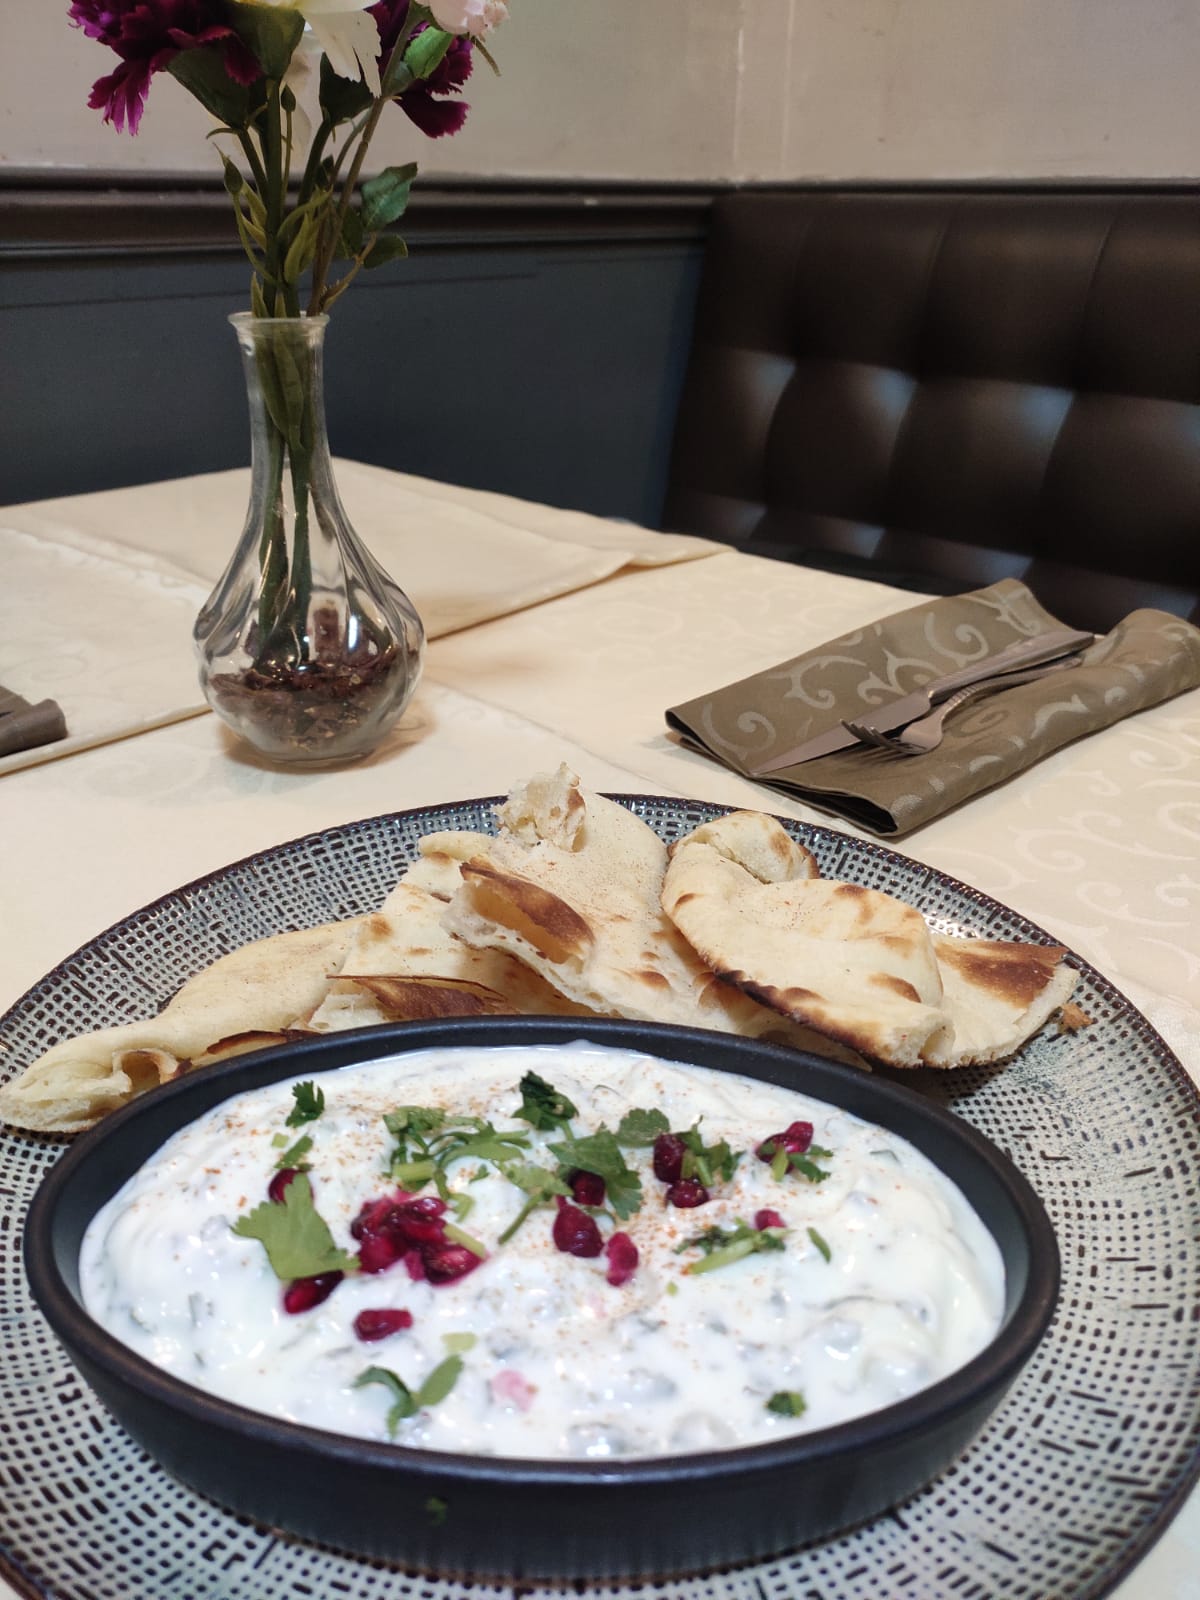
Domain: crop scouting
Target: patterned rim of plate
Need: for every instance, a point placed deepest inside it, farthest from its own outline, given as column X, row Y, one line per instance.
column 1072, row 1480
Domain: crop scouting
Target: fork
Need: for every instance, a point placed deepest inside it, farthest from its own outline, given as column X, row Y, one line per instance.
column 924, row 735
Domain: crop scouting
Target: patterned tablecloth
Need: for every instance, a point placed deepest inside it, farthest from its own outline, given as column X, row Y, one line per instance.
column 576, row 659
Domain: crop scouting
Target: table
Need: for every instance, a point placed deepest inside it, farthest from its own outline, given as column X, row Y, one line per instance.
column 575, row 661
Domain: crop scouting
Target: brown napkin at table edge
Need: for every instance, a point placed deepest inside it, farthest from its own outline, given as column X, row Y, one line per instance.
column 24, row 726
column 1147, row 658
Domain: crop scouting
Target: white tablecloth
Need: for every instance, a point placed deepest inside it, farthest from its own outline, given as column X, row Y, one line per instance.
column 1100, row 844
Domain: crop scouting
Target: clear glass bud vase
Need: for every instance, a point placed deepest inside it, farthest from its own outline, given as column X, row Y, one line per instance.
column 307, row 648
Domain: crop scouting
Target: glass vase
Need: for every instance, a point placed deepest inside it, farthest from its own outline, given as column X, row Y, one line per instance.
column 307, row 649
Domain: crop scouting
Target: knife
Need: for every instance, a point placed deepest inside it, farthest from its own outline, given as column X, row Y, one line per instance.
column 1024, row 653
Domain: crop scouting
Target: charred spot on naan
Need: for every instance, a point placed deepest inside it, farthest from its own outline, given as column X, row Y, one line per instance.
column 1015, row 973
column 240, row 1044
column 426, row 998
column 900, row 987
column 553, row 928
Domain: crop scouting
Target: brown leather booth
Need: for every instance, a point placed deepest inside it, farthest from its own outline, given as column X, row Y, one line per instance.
column 940, row 389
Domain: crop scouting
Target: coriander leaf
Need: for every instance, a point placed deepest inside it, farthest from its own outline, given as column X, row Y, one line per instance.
column 542, row 1106
column 459, row 1343
column 414, row 1120
column 292, row 1156
column 638, row 1128
column 294, row 1234
column 435, row 1507
column 600, row 1153
column 440, row 1381
column 787, row 1403
column 310, row 1102
column 806, row 1166
column 820, row 1243
column 539, row 1183
column 405, row 1402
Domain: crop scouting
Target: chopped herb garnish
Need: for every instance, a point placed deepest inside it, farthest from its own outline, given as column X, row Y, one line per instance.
column 460, row 1236
column 600, row 1153
column 407, row 1402
column 785, row 1161
column 821, row 1244
column 539, row 1183
column 706, row 1162
column 787, row 1403
column 459, row 1343
column 294, row 1234
column 428, row 1139
column 310, row 1102
column 294, row 1154
column 542, row 1105
column 721, row 1247
column 638, row 1129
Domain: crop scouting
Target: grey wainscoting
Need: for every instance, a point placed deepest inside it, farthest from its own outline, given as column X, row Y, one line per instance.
column 534, row 341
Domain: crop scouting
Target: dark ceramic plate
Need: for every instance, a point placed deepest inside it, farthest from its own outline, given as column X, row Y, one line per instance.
column 1069, row 1482
column 483, row 1515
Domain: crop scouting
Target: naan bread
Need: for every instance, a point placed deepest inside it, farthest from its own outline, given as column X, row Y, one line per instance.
column 570, row 887
column 403, row 965
column 859, row 966
column 248, row 998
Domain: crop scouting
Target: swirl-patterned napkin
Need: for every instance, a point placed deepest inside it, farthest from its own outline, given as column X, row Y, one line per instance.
column 24, row 726
column 1148, row 657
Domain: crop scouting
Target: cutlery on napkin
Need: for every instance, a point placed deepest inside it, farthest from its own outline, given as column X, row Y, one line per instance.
column 752, row 725
column 24, row 726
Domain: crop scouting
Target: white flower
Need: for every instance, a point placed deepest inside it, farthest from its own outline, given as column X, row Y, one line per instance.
column 346, row 33
column 476, row 17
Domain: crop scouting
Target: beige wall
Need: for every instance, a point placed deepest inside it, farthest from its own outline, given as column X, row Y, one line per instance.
column 723, row 89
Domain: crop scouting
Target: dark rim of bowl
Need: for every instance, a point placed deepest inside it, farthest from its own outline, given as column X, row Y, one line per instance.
column 989, row 1372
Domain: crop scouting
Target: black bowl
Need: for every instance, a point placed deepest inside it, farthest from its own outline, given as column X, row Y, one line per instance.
column 459, row 1514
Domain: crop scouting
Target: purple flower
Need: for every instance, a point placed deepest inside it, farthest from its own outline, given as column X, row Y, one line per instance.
column 147, row 35
column 425, row 102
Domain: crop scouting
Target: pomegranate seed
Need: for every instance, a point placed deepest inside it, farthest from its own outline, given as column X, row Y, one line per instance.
column 279, row 1183
column 794, row 1139
column 669, row 1151
column 688, row 1192
column 622, row 1256
column 588, row 1188
column 510, row 1387
column 768, row 1219
column 372, row 1325
column 448, row 1262
column 414, row 1265
column 575, row 1232
column 302, row 1294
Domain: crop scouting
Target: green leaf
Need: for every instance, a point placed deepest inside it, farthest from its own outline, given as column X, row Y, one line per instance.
column 342, row 99
column 385, row 196
column 271, row 33
column 387, row 247
column 821, row 1244
column 414, row 1120
column 787, row 1403
column 459, row 1343
column 202, row 73
column 309, row 1103
column 539, row 1183
column 294, row 1234
column 600, row 1153
column 405, row 1404
column 295, row 1153
column 440, row 1381
column 427, row 51
column 638, row 1129
column 437, row 1510
column 542, row 1106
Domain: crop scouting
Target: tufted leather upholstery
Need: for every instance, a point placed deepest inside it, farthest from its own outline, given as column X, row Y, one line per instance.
column 940, row 389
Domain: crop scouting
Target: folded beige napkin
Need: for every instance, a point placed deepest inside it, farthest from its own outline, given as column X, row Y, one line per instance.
column 24, row 726
column 1147, row 658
